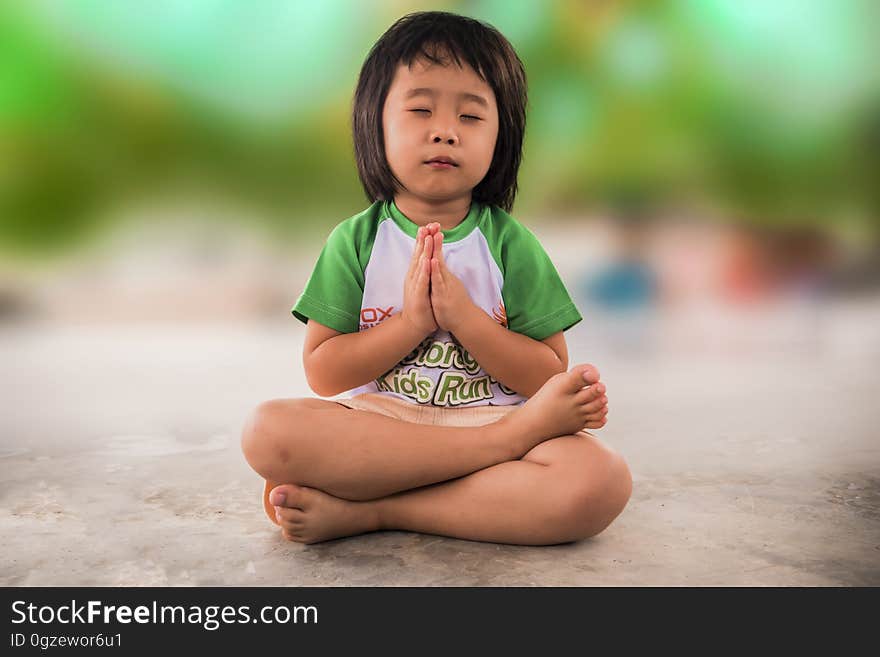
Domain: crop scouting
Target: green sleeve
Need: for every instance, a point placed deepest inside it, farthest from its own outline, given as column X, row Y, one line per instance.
column 335, row 289
column 535, row 299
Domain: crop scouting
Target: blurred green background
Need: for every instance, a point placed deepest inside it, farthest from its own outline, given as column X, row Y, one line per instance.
column 762, row 113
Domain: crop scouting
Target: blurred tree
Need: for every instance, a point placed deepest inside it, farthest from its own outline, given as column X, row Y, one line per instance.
column 765, row 111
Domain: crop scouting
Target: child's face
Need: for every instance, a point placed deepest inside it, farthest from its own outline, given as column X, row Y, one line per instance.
column 446, row 120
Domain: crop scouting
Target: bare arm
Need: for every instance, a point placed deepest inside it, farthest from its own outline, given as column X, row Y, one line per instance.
column 516, row 360
column 335, row 362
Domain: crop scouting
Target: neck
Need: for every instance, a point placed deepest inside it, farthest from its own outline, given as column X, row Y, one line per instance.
column 421, row 212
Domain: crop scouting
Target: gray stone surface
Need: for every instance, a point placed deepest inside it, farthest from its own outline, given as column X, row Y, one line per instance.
column 753, row 440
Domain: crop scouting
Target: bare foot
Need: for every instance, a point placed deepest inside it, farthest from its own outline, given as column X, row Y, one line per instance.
column 567, row 403
column 308, row 515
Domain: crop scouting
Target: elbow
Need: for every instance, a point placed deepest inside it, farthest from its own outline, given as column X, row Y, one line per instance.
column 322, row 390
column 312, row 378
column 560, row 362
column 557, row 364
column 319, row 384
column 319, row 390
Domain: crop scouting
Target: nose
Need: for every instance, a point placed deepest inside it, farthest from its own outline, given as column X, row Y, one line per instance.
column 443, row 134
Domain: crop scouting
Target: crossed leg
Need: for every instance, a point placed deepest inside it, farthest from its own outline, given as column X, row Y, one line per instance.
column 565, row 489
column 503, row 482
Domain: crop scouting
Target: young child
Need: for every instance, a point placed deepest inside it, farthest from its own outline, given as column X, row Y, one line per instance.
column 442, row 318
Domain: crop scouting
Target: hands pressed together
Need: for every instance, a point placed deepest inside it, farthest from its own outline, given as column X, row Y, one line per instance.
column 432, row 295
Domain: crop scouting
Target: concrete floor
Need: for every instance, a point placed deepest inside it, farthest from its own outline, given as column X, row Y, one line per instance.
column 753, row 443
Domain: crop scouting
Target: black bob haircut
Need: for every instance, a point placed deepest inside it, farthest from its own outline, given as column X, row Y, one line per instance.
column 439, row 37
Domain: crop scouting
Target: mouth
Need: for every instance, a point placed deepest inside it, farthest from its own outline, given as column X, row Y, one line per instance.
column 444, row 162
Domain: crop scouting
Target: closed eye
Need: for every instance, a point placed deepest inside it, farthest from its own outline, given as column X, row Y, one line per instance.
column 469, row 117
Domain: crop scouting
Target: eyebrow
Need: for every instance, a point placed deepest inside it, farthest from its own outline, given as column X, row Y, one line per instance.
column 425, row 91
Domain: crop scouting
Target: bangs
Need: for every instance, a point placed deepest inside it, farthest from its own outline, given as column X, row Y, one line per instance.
column 445, row 52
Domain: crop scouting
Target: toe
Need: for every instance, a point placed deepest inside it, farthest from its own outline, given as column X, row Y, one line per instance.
column 288, row 516
column 595, row 405
column 290, row 535
column 597, row 423
column 268, row 507
column 588, row 395
column 286, row 495
column 597, row 415
column 583, row 375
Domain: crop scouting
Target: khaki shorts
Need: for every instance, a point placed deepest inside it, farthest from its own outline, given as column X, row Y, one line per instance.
column 474, row 416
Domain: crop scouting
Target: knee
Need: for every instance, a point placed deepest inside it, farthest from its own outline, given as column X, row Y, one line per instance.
column 600, row 496
column 262, row 437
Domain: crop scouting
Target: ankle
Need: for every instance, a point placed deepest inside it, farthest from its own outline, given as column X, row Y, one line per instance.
column 376, row 514
column 511, row 437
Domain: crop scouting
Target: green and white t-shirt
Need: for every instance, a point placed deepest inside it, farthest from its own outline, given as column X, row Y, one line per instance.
column 358, row 282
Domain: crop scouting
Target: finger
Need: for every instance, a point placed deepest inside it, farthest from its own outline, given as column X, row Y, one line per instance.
column 437, row 287
column 426, row 267
column 438, row 246
column 417, row 250
column 424, row 275
column 428, row 243
column 440, row 255
column 418, row 274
